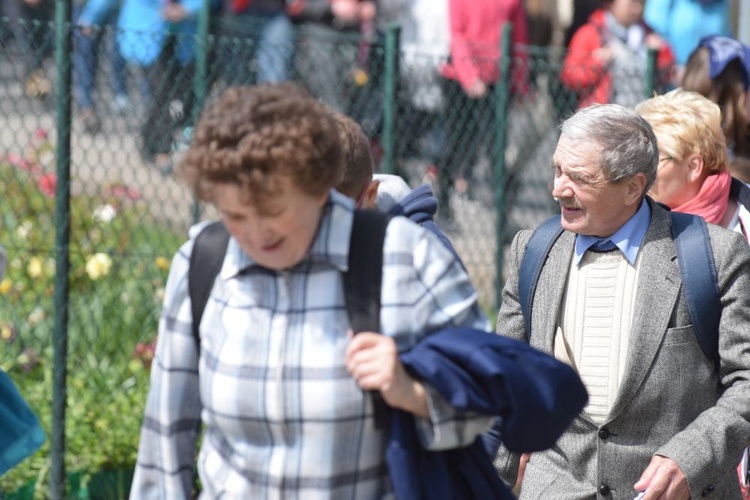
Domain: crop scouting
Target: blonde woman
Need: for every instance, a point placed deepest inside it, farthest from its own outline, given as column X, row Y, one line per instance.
column 693, row 174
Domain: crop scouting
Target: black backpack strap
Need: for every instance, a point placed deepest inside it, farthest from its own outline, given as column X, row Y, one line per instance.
column 534, row 257
column 699, row 279
column 206, row 259
column 363, row 284
column 740, row 192
column 697, row 268
column 363, row 281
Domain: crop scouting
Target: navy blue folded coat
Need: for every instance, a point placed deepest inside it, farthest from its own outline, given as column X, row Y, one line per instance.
column 535, row 396
column 20, row 432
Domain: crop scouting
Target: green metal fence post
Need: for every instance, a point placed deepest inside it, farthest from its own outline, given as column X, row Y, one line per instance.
column 502, row 94
column 200, row 80
column 62, row 246
column 651, row 71
column 390, row 104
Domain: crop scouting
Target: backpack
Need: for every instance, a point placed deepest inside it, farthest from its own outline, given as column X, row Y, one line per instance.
column 362, row 282
column 697, row 269
column 740, row 192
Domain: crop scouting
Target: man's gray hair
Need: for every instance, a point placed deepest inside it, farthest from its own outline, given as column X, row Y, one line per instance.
column 627, row 142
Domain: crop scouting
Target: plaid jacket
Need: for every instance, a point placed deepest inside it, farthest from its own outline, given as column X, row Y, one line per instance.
column 282, row 416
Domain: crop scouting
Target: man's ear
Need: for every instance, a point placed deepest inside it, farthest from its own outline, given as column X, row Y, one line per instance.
column 369, row 200
column 634, row 189
column 696, row 168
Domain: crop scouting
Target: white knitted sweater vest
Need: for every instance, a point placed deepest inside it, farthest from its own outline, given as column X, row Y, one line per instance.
column 594, row 326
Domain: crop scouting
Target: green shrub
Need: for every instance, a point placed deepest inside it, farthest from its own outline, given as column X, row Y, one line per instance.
column 118, row 267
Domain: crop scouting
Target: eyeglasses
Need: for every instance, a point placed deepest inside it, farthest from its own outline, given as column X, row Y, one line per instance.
column 664, row 159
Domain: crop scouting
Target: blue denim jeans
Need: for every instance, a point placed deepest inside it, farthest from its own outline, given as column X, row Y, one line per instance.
column 86, row 61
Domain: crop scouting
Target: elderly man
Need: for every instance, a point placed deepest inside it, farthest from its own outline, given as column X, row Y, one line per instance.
column 662, row 417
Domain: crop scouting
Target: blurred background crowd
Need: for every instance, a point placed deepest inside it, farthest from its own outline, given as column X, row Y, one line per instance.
column 461, row 115
column 463, row 95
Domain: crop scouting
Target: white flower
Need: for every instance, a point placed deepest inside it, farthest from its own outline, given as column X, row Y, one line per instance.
column 35, row 268
column 98, row 265
column 105, row 213
column 24, row 230
column 36, row 316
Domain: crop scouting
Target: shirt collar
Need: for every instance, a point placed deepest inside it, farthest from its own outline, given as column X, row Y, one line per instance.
column 628, row 238
column 330, row 244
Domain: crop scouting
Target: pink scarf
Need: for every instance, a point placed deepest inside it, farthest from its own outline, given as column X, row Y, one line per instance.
column 711, row 201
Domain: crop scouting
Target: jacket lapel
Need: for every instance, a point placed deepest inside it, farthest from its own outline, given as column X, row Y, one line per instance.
column 657, row 291
column 549, row 294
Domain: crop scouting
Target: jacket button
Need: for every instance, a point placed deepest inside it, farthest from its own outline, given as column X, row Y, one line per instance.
column 708, row 490
column 604, row 490
column 603, row 434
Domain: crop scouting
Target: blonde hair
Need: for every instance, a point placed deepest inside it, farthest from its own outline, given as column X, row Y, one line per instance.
column 686, row 123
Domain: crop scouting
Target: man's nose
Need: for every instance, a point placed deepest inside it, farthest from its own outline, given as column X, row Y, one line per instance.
column 560, row 188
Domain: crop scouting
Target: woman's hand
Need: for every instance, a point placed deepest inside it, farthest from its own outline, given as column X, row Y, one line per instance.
column 372, row 359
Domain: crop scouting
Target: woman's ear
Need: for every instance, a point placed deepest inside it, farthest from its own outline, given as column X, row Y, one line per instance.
column 696, row 168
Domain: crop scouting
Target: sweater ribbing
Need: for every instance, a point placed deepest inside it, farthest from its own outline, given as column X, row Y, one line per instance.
column 594, row 325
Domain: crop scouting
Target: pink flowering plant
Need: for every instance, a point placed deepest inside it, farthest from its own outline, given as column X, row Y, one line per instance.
column 119, row 259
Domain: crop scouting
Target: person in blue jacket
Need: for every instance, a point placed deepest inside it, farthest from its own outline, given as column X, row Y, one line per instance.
column 159, row 38
column 684, row 22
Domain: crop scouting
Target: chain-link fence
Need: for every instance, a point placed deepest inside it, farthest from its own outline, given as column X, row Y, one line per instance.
column 91, row 215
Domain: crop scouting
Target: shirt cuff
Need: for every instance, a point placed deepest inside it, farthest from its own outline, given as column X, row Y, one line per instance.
column 439, row 431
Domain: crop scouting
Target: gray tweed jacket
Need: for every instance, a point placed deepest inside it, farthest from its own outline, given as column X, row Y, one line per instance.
column 671, row 402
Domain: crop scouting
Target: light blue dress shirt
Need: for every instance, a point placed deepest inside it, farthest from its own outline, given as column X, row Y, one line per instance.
column 628, row 238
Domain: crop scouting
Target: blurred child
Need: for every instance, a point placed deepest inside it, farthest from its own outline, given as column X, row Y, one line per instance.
column 386, row 193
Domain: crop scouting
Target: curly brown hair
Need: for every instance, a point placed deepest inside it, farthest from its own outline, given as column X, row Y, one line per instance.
column 253, row 134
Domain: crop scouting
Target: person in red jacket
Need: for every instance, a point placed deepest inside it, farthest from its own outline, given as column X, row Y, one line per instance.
column 473, row 69
column 606, row 60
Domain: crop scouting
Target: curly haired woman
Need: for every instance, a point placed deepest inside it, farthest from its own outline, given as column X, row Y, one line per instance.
column 277, row 382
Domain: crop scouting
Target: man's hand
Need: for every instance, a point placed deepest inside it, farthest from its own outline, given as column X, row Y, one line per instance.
column 663, row 480
column 373, row 361
column 86, row 30
column 346, row 10
column 367, row 11
column 604, row 55
column 33, row 3
column 521, row 471
column 654, row 41
column 174, row 12
column 477, row 90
